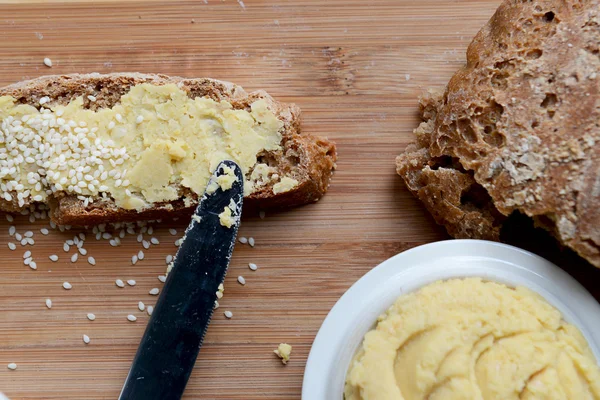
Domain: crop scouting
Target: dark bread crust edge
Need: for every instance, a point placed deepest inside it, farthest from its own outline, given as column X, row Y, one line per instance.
column 313, row 157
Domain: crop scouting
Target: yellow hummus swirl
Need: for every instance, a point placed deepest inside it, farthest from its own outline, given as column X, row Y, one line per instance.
column 469, row 339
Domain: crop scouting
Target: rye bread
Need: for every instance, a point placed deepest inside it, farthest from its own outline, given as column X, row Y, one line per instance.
column 517, row 128
column 308, row 159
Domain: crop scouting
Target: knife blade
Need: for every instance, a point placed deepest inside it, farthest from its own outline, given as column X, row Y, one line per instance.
column 174, row 335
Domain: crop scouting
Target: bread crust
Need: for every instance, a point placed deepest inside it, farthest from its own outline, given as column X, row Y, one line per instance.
column 520, row 122
column 308, row 159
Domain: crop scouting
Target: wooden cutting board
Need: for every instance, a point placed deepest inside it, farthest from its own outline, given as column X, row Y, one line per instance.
column 355, row 68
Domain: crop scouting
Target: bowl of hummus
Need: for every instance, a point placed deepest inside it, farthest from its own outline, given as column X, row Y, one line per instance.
column 459, row 319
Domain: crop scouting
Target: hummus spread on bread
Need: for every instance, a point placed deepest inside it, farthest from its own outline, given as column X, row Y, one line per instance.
column 472, row 339
column 139, row 152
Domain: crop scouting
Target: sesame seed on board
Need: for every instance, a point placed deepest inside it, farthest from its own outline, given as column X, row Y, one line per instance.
column 48, row 303
column 253, row 266
column 251, row 241
column 131, row 282
column 154, row 291
column 141, row 306
column 48, row 62
column 86, row 339
column 228, row 314
column 120, row 283
column 91, row 317
column 131, row 318
column 12, row 366
column 241, row 280
column 149, row 310
column 67, row 286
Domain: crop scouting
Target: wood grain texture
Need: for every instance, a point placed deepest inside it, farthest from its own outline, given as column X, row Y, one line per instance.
column 355, row 68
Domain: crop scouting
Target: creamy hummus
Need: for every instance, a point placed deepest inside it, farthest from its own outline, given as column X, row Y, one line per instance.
column 469, row 339
column 141, row 151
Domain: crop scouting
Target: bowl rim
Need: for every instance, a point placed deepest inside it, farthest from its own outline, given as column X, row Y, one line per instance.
column 356, row 311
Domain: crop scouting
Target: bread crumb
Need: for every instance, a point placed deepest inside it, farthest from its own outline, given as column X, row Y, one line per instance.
column 284, row 352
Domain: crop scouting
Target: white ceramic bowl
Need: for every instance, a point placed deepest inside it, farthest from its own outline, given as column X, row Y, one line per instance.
column 357, row 310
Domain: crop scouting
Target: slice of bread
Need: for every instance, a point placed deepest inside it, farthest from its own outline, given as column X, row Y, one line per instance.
column 517, row 129
column 310, row 160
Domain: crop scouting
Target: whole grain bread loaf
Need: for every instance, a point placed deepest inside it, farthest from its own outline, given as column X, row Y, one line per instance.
column 310, row 160
column 517, row 128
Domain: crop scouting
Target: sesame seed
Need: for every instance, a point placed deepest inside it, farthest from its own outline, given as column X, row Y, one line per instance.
column 12, row 366
column 150, row 230
column 12, row 230
column 140, row 237
column 154, row 241
column 44, row 231
column 29, row 241
column 178, row 242
column 10, row 218
column 154, row 291
column 173, row 231
column 86, row 339
column 81, row 236
column 243, row 240
column 219, row 295
column 134, row 259
column 18, row 236
column 262, row 214
column 91, row 98
column 32, row 265
column 53, row 257
column 131, row 318
column 12, row 246
column 253, row 266
column 67, row 286
column 74, row 257
column 141, row 306
column 119, row 283
column 28, row 234
column 146, row 244
column 66, row 247
column 91, row 260
column 169, row 259
column 24, row 242
column 48, row 62
column 162, row 278
column 140, row 255
column 228, row 314
column 48, row 303
column 106, row 236
column 82, row 251
column 241, row 280
column 44, row 100
column 131, row 282
column 149, row 310
column 91, row 317
column 251, row 241
column 27, row 261
column 27, row 254
column 139, row 119
column 216, row 305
